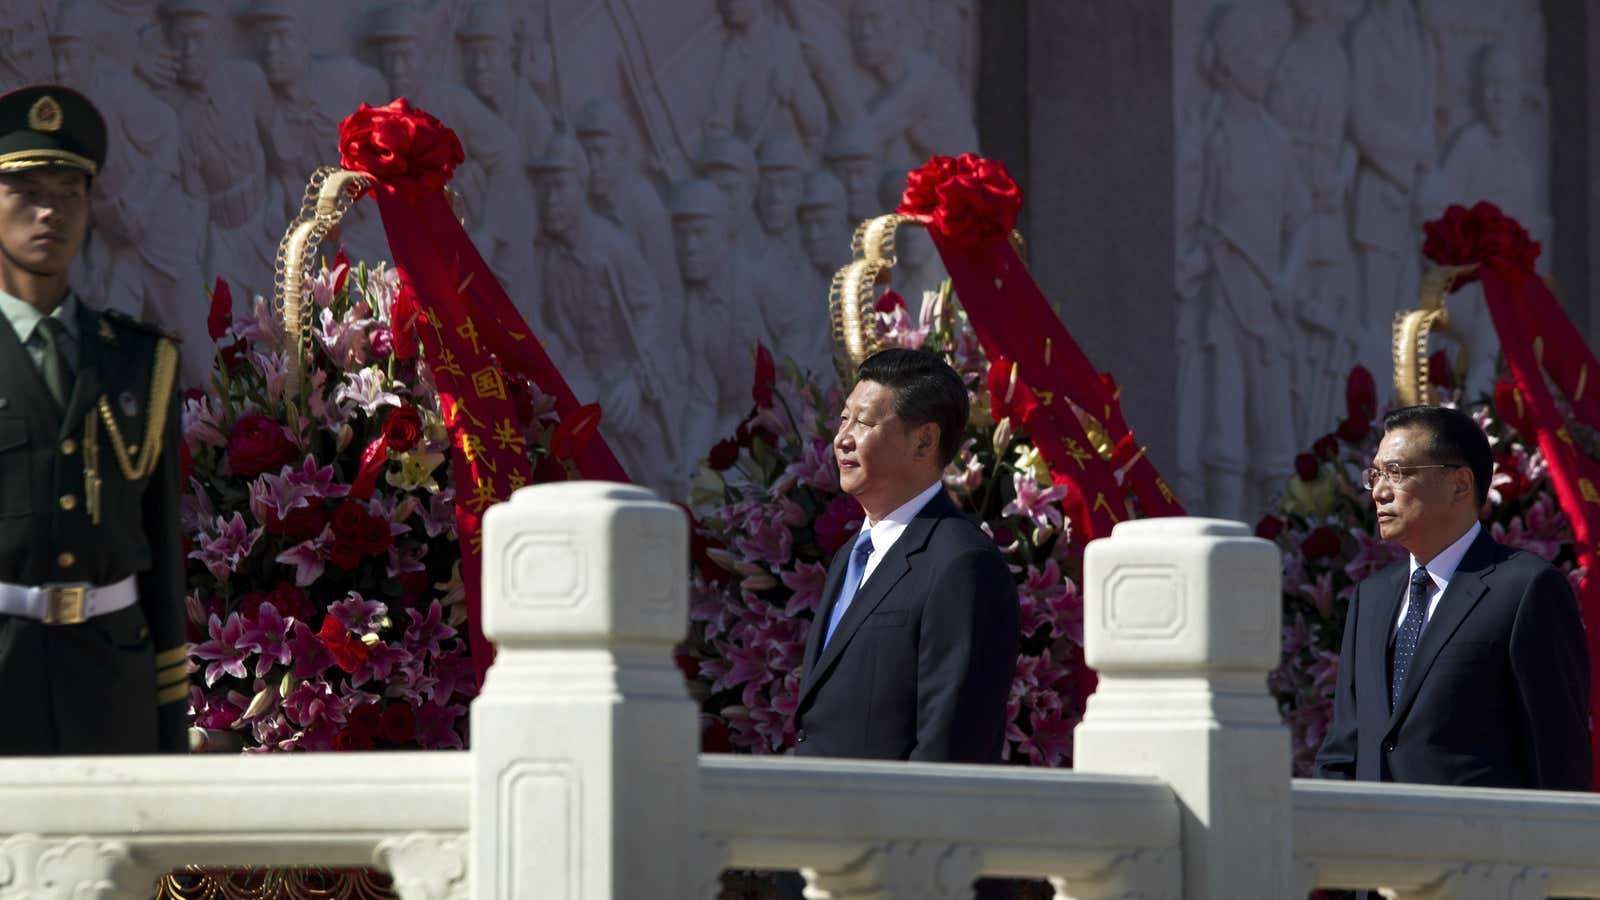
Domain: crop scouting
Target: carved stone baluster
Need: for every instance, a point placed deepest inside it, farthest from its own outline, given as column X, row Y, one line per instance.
column 425, row 866
column 1140, row 875
column 924, row 871
column 71, row 868
column 1481, row 882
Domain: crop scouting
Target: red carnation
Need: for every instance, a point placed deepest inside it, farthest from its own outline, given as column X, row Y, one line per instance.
column 258, row 444
column 1306, row 466
column 221, row 315
column 399, row 723
column 348, row 652
column 402, row 429
column 1323, row 542
column 766, row 377
column 400, row 146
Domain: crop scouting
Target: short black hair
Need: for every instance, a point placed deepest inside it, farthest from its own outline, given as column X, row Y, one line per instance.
column 1453, row 438
column 926, row 390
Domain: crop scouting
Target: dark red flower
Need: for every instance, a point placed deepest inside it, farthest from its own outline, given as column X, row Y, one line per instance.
column 838, row 523
column 723, row 454
column 1511, row 483
column 221, row 315
column 1307, row 467
column 1326, row 447
column 348, row 518
column 1323, row 542
column 766, row 377
column 1360, row 395
column 300, row 523
column 258, row 444
column 1269, row 527
column 348, row 652
column 1439, row 372
column 399, row 723
column 402, row 428
column 401, row 146
column 373, row 535
column 344, row 553
column 890, row 301
column 287, row 599
column 575, row 431
column 414, row 587
column 351, row 740
column 1354, row 430
column 185, row 462
column 365, row 719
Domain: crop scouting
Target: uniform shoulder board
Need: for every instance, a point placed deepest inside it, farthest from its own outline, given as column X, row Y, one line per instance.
column 123, row 320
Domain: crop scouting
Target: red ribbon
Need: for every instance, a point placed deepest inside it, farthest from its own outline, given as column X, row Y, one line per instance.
column 970, row 205
column 468, row 328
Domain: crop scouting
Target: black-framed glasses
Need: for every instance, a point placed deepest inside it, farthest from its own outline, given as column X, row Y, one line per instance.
column 1394, row 472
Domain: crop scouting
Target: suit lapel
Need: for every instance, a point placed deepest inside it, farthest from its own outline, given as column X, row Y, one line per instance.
column 894, row 567
column 1382, row 591
column 830, row 596
column 1466, row 588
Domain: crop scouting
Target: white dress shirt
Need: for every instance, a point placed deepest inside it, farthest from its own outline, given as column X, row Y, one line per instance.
column 1440, row 569
column 888, row 530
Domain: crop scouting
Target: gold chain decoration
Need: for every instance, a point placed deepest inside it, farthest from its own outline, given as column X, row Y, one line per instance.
column 194, row 883
column 329, row 193
column 161, row 379
column 1412, row 328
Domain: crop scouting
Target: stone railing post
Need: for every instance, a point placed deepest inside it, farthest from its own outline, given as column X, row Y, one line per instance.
column 585, row 743
column 1181, row 620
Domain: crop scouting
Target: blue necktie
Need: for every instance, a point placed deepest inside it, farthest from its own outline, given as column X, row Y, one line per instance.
column 1405, row 640
column 852, row 580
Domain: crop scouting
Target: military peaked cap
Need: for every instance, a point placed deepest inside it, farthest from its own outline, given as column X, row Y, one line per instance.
column 46, row 125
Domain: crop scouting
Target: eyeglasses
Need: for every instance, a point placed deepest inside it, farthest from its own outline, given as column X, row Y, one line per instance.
column 1395, row 472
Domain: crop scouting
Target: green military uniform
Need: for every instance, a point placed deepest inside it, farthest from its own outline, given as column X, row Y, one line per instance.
column 92, row 654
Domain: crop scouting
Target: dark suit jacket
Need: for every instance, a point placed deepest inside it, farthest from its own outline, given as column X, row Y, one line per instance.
column 1498, row 691
column 920, row 666
column 117, row 682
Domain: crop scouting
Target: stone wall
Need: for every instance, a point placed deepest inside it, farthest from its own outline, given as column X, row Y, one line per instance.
column 657, row 185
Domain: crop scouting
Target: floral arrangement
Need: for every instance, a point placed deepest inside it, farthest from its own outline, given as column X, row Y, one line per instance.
column 325, row 593
column 1326, row 526
column 770, row 516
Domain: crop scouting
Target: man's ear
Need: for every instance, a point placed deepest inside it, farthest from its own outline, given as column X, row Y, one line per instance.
column 1462, row 483
column 925, row 439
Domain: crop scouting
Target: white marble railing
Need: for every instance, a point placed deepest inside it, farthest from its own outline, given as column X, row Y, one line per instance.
column 584, row 779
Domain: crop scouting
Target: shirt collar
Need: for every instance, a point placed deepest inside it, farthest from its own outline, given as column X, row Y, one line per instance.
column 1443, row 567
column 24, row 317
column 887, row 530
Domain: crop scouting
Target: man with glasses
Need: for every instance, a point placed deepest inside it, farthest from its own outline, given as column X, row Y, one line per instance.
column 1466, row 663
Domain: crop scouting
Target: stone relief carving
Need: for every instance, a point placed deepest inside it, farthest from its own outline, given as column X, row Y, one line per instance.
column 72, row 868
column 425, row 866
column 901, row 869
column 219, row 112
column 1390, row 110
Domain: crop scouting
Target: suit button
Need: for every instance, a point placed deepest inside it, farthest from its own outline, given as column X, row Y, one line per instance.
column 65, row 560
column 69, row 447
column 1388, row 746
column 69, row 502
column 800, row 736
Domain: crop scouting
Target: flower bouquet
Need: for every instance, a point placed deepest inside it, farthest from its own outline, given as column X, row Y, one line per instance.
column 326, row 599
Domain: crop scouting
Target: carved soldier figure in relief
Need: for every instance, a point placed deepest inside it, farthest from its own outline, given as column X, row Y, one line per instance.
column 1391, row 122
column 721, row 328
column 762, row 86
column 619, row 190
column 223, row 107
column 142, row 246
column 1486, row 161
column 603, row 319
column 485, row 40
column 824, row 232
column 311, row 95
column 1310, row 96
column 917, row 268
column 492, row 182
column 730, row 164
column 798, row 323
column 852, row 156
column 1458, row 30
column 24, row 45
column 1252, row 204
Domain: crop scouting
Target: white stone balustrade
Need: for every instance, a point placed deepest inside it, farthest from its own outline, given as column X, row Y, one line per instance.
column 584, row 781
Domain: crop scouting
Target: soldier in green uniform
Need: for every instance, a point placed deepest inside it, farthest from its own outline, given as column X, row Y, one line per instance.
column 92, row 655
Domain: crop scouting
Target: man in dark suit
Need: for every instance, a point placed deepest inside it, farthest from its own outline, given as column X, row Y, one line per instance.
column 92, row 655
column 912, row 652
column 1466, row 664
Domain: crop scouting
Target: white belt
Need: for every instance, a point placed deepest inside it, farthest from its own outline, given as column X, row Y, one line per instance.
column 66, row 604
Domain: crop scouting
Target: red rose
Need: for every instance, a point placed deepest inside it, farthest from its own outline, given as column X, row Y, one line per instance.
column 1306, row 466
column 400, row 146
column 365, row 719
column 233, row 357
column 344, row 553
column 1269, row 527
column 348, row 652
column 399, row 723
column 301, row 523
column 221, row 315
column 1511, row 482
column 258, row 444
column 1354, row 430
column 766, row 376
column 1323, row 542
column 287, row 599
column 1439, row 371
column 723, row 455
column 348, row 519
column 1326, row 447
column 373, row 535
column 575, row 430
column 890, row 301
column 352, row 741
column 1360, row 395
column 402, row 429
column 414, row 587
